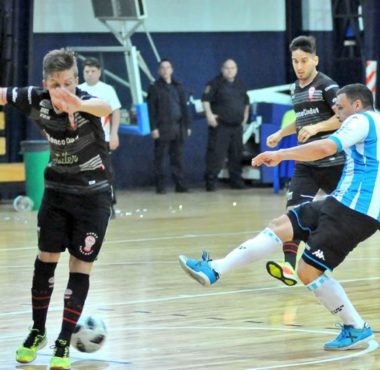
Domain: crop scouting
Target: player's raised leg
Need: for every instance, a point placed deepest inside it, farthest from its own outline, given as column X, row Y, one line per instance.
column 207, row 271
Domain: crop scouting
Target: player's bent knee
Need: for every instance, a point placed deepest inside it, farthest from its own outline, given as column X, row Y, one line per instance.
column 282, row 227
column 307, row 273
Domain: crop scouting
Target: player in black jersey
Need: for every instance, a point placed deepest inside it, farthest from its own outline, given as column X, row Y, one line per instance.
column 313, row 96
column 77, row 200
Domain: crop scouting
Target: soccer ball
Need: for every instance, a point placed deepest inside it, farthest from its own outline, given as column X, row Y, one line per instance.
column 89, row 334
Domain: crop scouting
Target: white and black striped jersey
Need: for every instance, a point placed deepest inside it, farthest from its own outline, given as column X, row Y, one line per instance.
column 79, row 161
column 312, row 104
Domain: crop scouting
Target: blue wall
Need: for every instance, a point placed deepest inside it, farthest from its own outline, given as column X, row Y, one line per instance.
column 262, row 57
column 197, row 58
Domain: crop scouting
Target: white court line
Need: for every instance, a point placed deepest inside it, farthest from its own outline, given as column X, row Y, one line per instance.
column 182, row 297
column 141, row 240
column 372, row 346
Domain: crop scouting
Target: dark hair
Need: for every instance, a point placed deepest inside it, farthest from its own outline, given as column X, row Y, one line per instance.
column 91, row 62
column 164, row 60
column 59, row 60
column 358, row 92
column 304, row 43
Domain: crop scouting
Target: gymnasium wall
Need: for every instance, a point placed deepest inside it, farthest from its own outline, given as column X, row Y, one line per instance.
column 197, row 36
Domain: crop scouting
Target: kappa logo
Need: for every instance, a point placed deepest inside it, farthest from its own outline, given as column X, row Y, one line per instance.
column 319, row 254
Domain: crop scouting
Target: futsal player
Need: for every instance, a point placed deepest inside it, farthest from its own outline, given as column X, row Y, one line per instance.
column 331, row 228
column 77, row 199
column 313, row 96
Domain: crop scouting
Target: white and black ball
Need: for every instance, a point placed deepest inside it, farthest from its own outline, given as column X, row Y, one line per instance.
column 89, row 335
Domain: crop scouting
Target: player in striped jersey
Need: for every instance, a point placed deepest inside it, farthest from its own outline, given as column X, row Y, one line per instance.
column 313, row 96
column 331, row 228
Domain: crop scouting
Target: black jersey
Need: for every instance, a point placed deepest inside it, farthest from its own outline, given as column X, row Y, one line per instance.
column 79, row 161
column 312, row 104
column 227, row 99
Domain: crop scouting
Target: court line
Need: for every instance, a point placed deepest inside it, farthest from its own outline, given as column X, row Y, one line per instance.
column 183, row 296
column 372, row 346
column 141, row 240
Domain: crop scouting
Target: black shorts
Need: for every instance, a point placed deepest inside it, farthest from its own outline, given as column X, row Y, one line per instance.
column 75, row 222
column 330, row 230
column 307, row 180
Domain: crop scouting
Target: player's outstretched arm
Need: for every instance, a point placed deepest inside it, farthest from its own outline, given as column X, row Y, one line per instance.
column 307, row 152
column 67, row 102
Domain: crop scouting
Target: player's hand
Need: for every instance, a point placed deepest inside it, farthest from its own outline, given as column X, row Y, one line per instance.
column 306, row 133
column 155, row 134
column 64, row 100
column 269, row 159
column 274, row 139
column 114, row 142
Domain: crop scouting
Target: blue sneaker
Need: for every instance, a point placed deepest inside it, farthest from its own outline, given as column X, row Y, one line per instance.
column 199, row 270
column 350, row 338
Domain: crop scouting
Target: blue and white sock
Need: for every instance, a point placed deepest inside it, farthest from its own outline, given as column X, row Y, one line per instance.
column 332, row 295
column 251, row 250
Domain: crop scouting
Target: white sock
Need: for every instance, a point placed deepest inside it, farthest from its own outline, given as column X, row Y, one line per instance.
column 251, row 250
column 332, row 295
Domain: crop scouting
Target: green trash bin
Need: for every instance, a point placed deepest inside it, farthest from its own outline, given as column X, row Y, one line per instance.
column 36, row 157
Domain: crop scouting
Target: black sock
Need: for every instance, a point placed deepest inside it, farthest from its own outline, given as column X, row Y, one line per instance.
column 290, row 251
column 42, row 289
column 75, row 296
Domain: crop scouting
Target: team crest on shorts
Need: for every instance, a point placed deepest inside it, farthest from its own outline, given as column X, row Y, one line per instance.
column 89, row 242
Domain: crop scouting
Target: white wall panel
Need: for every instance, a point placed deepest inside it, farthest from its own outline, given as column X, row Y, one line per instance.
column 167, row 16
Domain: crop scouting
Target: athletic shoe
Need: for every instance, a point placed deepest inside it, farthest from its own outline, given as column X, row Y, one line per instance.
column 199, row 270
column 350, row 338
column 27, row 352
column 61, row 357
column 282, row 271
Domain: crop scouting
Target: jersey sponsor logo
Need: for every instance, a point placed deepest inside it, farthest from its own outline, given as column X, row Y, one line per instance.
column 307, row 112
column 89, row 242
column 319, row 254
column 64, row 158
column 61, row 142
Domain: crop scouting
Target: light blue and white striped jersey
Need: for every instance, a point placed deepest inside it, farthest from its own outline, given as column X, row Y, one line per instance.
column 359, row 186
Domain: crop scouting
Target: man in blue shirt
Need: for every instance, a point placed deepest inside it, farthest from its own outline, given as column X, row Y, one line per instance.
column 331, row 228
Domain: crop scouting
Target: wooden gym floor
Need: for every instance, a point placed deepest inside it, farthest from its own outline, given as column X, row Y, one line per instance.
column 158, row 318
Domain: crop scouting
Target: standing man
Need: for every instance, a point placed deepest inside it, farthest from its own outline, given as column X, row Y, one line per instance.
column 77, row 199
column 226, row 104
column 333, row 227
column 91, row 74
column 170, row 126
column 313, row 96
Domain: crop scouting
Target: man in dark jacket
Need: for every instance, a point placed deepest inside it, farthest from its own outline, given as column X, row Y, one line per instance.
column 170, row 126
column 226, row 106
